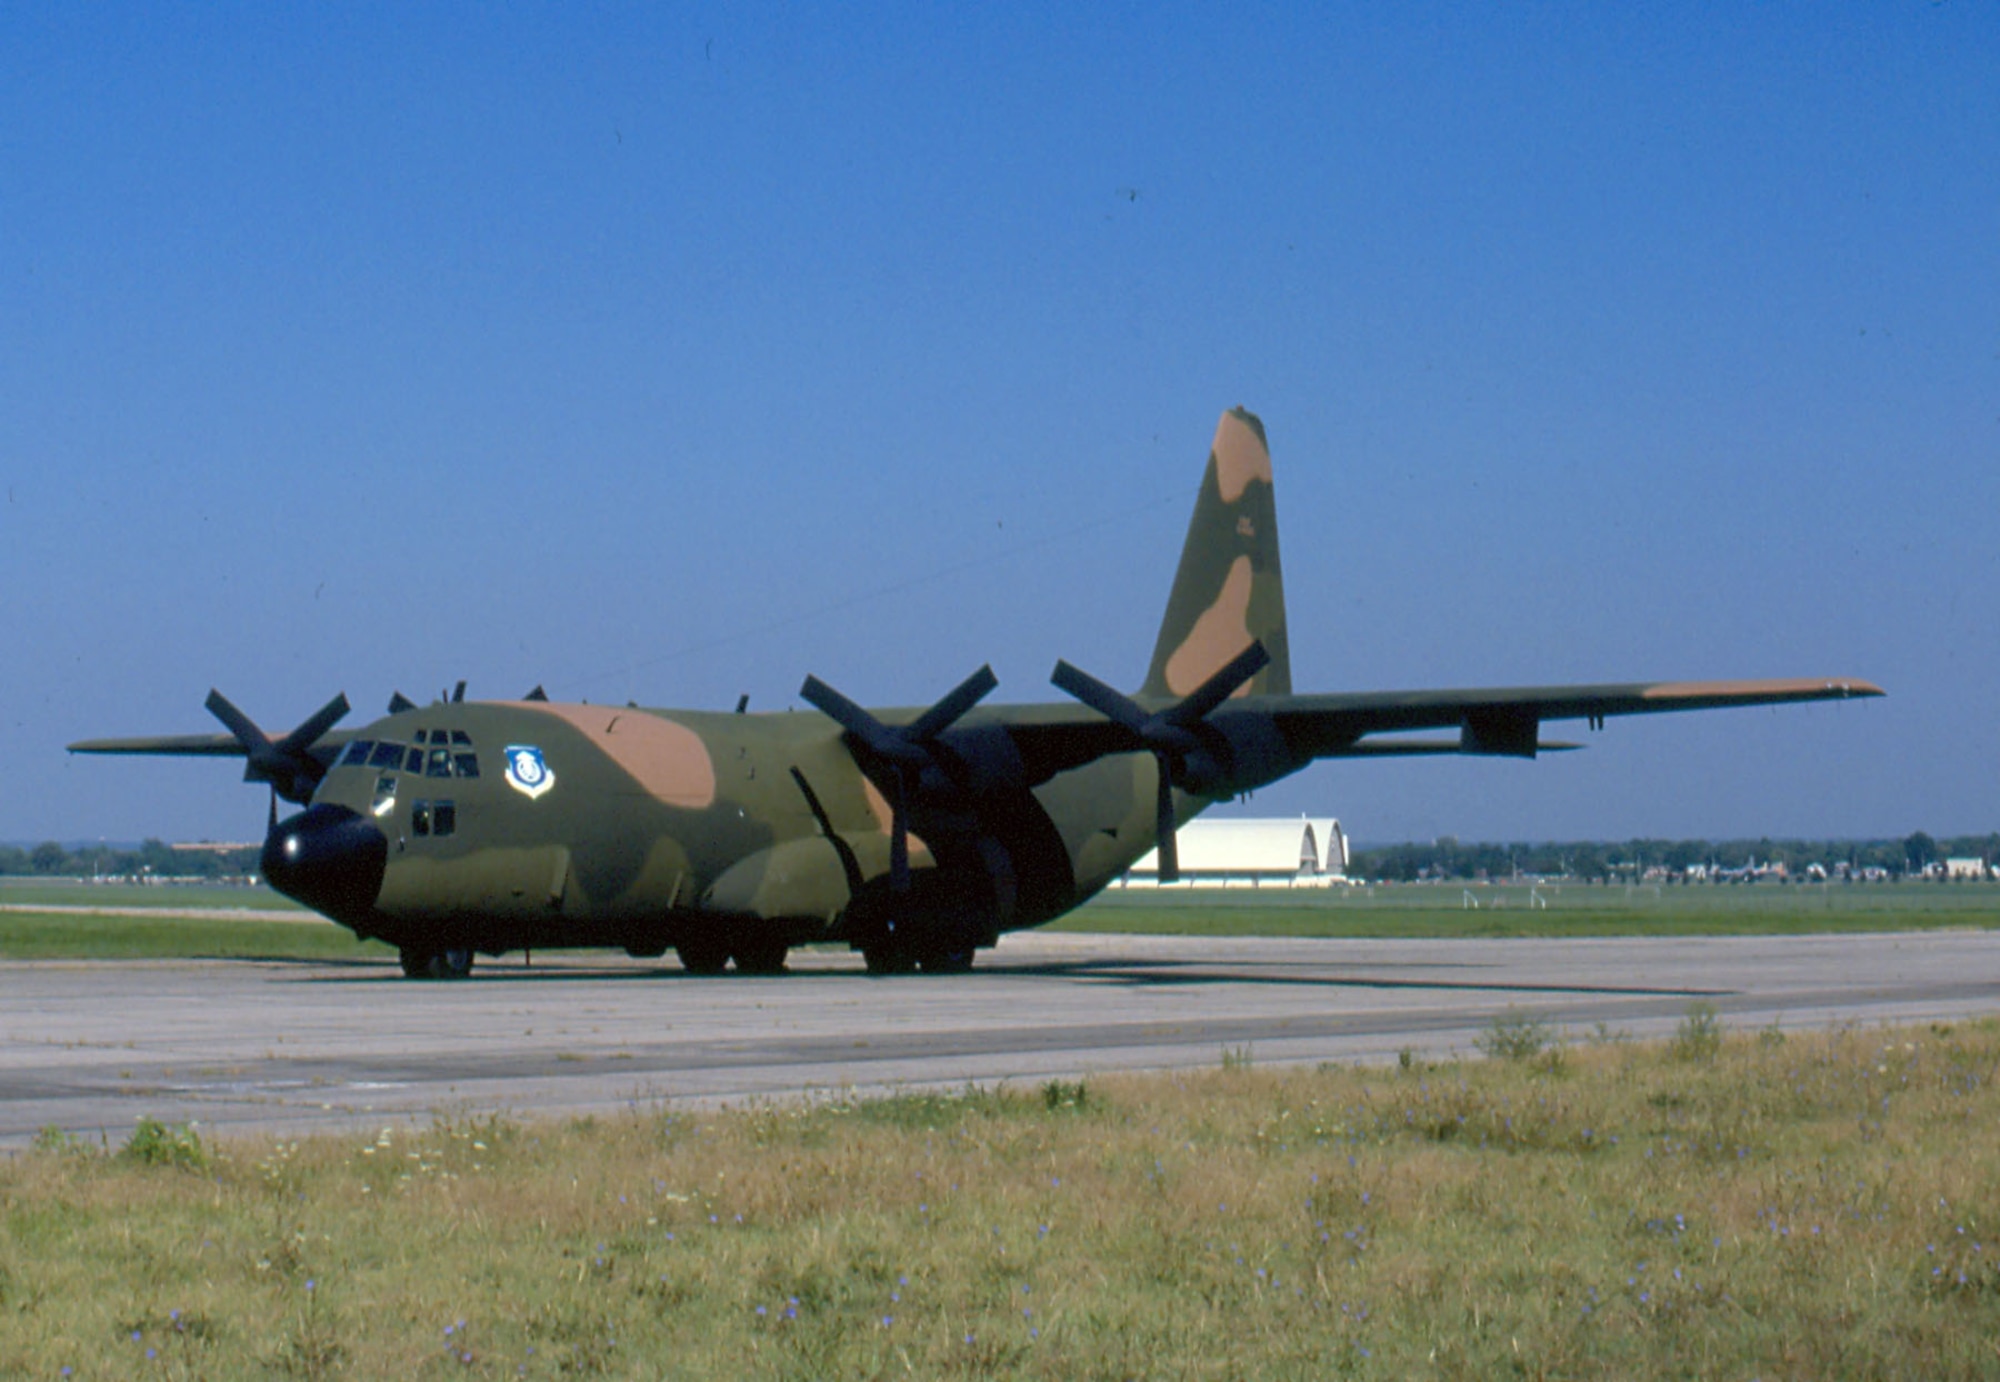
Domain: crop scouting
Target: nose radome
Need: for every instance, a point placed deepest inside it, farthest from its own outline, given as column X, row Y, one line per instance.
column 328, row 857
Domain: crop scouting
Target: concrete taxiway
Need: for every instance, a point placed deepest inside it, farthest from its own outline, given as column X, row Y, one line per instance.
column 90, row 1047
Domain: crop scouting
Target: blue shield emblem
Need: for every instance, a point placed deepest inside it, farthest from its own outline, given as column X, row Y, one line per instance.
column 526, row 772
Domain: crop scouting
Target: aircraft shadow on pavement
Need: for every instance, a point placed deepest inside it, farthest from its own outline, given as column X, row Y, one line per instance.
column 1170, row 973
column 1125, row 973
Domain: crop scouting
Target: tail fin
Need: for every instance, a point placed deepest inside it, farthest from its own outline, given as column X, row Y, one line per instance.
column 1229, row 589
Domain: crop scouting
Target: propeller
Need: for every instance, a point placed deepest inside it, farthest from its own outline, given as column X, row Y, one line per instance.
column 287, row 763
column 398, row 703
column 1173, row 736
column 903, row 750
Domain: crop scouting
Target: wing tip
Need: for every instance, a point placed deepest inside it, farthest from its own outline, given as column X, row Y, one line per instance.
column 1751, row 692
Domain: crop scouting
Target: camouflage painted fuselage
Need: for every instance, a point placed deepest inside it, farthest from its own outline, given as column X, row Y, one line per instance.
column 661, row 827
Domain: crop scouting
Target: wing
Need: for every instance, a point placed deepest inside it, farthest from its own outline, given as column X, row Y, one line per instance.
column 168, row 745
column 1486, row 720
column 293, row 764
column 324, row 749
column 1507, row 720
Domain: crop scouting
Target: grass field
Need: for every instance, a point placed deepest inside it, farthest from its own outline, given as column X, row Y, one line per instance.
column 78, row 892
column 1568, row 909
column 40, row 920
column 1727, row 1205
column 64, row 920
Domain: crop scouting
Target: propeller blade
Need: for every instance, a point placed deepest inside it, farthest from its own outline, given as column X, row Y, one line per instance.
column 1171, row 735
column 906, row 750
column 956, row 702
column 458, row 693
column 880, row 739
column 398, row 703
column 1221, row 686
column 308, row 734
column 254, row 741
column 287, row 764
column 1164, row 833
column 1113, row 705
column 835, row 706
column 899, row 835
column 537, row 694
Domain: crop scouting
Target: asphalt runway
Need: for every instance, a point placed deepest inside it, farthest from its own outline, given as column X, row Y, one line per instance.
column 242, row 1046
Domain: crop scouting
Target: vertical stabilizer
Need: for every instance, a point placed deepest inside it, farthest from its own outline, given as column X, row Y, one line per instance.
column 1228, row 590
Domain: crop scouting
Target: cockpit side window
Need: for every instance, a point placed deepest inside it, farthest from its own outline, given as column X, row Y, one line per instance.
column 434, row 818
column 414, row 763
column 386, row 755
column 466, row 763
column 357, row 753
column 440, row 763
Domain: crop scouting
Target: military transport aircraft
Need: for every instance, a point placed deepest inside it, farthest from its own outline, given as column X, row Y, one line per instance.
column 916, row 836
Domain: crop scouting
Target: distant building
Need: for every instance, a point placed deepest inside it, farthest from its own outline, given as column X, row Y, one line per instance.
column 1964, row 868
column 1241, row 853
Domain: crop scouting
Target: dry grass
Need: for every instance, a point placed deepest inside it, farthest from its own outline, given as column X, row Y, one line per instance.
column 1807, row 1206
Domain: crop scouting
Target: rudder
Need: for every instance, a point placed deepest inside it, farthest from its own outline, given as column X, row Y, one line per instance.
column 1229, row 589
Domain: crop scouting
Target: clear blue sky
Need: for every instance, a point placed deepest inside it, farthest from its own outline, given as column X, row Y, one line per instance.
column 669, row 354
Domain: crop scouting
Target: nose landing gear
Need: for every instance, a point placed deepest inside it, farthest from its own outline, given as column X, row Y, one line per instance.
column 435, row 964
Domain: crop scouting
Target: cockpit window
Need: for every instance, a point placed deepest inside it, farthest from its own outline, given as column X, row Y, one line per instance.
column 439, row 818
column 466, row 763
column 414, row 763
column 357, row 753
column 386, row 755
column 440, row 763
column 459, row 736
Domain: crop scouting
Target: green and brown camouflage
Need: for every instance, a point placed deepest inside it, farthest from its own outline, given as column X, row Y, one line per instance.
column 915, row 835
column 1230, row 590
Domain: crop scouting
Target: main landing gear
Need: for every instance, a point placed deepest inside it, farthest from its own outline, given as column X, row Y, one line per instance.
column 760, row 957
column 435, row 964
column 891, row 958
column 712, row 956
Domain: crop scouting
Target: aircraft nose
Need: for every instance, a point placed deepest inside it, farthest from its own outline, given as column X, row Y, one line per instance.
column 328, row 857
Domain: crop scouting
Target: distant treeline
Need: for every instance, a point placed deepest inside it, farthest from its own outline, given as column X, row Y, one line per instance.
column 153, row 859
column 1447, row 858
column 1441, row 858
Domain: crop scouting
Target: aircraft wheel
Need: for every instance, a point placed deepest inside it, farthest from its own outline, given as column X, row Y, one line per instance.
column 703, row 956
column 887, row 959
column 451, row 964
column 946, row 962
column 761, row 957
column 416, row 963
